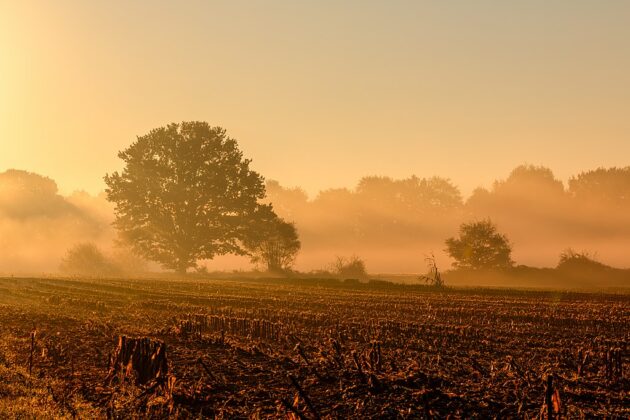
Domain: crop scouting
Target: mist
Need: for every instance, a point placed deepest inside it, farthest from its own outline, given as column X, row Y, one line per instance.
column 391, row 224
column 38, row 225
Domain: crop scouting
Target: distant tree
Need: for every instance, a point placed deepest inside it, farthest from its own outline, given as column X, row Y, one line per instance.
column 439, row 194
column 428, row 195
column 341, row 196
column 527, row 180
column 411, row 194
column 380, row 189
column 289, row 203
column 275, row 245
column 349, row 268
column 86, row 259
column 25, row 194
column 186, row 193
column 525, row 190
column 602, row 186
column 396, row 209
column 337, row 208
column 480, row 201
column 480, row 246
column 529, row 198
column 376, row 200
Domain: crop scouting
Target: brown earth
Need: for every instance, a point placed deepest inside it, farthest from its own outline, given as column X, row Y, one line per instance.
column 308, row 349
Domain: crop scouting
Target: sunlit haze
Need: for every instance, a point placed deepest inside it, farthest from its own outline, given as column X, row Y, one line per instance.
column 324, row 209
column 320, row 94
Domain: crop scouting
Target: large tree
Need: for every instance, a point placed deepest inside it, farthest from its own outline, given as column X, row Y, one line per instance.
column 480, row 246
column 185, row 194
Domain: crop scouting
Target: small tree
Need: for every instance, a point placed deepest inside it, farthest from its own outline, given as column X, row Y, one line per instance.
column 275, row 245
column 87, row 260
column 480, row 246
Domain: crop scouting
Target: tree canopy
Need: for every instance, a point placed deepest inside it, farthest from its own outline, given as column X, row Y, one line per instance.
column 274, row 244
column 603, row 186
column 185, row 194
column 26, row 195
column 528, row 180
column 480, row 246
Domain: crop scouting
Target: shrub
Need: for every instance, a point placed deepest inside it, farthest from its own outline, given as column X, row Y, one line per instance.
column 573, row 260
column 349, row 268
column 86, row 259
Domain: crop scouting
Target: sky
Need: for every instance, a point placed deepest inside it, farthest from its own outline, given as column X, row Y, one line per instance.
column 320, row 93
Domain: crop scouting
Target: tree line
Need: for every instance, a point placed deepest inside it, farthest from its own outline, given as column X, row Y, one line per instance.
column 413, row 216
column 187, row 194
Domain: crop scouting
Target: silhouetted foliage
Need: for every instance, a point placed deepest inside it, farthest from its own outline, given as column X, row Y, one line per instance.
column 86, row 259
column 274, row 244
column 288, row 202
column 480, row 246
column 413, row 194
column 530, row 179
column 573, row 260
column 349, row 268
column 26, row 195
column 385, row 220
column 186, row 193
column 527, row 191
column 38, row 224
column 602, row 186
column 435, row 194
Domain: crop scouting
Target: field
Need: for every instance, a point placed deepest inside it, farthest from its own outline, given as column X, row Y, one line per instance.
column 308, row 349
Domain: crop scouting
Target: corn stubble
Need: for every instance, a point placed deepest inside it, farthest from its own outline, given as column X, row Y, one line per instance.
column 257, row 349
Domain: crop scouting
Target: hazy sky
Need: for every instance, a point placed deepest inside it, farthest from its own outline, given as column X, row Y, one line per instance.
column 320, row 93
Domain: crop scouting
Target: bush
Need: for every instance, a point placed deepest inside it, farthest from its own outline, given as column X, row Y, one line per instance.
column 87, row 260
column 349, row 268
column 572, row 260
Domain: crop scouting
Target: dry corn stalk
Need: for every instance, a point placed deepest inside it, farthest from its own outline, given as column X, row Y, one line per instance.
column 143, row 358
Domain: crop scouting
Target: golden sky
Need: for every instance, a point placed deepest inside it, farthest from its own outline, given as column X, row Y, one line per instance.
column 320, row 93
